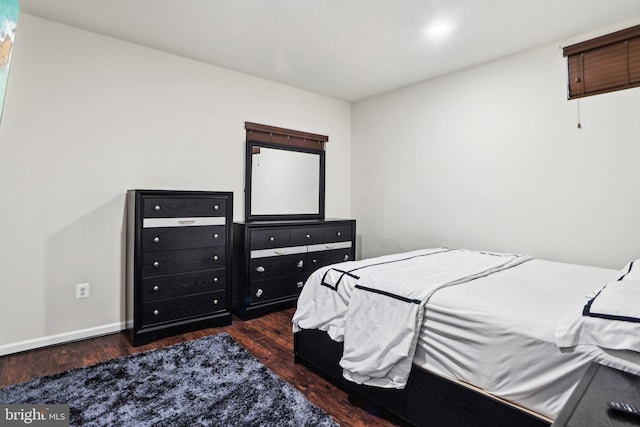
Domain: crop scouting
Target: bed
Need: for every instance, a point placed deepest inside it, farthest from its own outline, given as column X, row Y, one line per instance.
column 455, row 337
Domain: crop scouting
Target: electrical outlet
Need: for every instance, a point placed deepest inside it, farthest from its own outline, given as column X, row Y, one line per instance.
column 82, row 290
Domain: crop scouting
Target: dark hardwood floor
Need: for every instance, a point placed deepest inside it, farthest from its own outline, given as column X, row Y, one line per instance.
column 269, row 338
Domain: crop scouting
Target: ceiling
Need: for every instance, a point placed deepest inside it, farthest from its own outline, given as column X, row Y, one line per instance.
column 344, row 49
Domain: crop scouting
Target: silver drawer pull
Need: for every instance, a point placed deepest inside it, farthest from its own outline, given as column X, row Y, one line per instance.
column 215, row 302
column 346, row 257
column 156, row 239
column 156, row 207
column 156, row 264
column 259, row 293
column 338, row 234
column 308, row 236
column 216, row 280
column 330, row 246
column 156, row 312
column 300, row 284
column 187, row 221
column 280, row 251
column 216, row 207
column 314, row 261
column 300, row 263
column 272, row 239
column 216, row 235
column 260, row 269
column 156, row 288
column 215, row 257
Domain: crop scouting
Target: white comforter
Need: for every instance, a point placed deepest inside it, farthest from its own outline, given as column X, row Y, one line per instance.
column 376, row 306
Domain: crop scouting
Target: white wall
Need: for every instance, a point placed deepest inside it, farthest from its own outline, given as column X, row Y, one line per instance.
column 87, row 117
column 490, row 158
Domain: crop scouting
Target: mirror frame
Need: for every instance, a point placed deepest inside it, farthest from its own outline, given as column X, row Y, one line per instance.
column 284, row 216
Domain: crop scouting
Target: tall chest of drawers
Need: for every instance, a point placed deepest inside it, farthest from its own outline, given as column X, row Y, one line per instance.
column 178, row 262
column 273, row 259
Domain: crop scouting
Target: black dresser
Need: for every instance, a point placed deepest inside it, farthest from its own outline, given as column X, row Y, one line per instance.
column 178, row 262
column 273, row 259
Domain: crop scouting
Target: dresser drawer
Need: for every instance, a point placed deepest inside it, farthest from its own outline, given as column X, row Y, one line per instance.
column 162, row 239
column 182, row 261
column 183, row 221
column 273, row 289
column 337, row 233
column 329, row 246
column 270, row 238
column 167, row 207
column 176, row 285
column 183, row 307
column 306, row 235
column 277, row 266
column 322, row 258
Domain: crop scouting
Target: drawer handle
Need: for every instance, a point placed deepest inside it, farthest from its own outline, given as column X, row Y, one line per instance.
column 156, row 207
column 156, row 288
column 260, row 269
column 215, row 302
column 187, row 221
column 272, row 239
column 216, row 280
column 346, row 257
column 156, row 312
column 215, row 257
column 300, row 284
column 314, row 261
column 338, row 234
column 330, row 246
column 156, row 264
column 216, row 207
column 308, row 236
column 259, row 293
column 216, row 235
column 156, row 239
column 300, row 263
column 280, row 251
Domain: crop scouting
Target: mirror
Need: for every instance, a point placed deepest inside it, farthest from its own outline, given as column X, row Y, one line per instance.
column 283, row 182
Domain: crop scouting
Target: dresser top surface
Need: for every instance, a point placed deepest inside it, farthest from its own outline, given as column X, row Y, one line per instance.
column 178, row 192
column 294, row 222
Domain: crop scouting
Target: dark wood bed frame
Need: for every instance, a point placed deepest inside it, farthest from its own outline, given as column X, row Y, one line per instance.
column 427, row 400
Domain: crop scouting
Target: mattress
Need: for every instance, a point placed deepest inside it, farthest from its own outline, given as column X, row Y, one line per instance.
column 496, row 332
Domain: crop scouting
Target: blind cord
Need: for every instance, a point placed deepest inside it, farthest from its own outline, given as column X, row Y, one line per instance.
column 579, row 123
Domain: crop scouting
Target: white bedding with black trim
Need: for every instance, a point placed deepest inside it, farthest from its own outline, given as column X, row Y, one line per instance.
column 609, row 319
column 382, row 303
column 495, row 332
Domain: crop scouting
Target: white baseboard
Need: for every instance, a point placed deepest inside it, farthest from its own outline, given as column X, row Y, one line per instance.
column 61, row 338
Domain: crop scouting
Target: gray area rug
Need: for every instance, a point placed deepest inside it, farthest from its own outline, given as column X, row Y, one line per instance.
column 213, row 381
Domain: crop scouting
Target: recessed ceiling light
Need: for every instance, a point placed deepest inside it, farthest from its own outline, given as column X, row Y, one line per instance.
column 439, row 29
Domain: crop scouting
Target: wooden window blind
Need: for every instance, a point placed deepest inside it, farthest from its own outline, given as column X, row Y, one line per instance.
column 604, row 64
column 292, row 138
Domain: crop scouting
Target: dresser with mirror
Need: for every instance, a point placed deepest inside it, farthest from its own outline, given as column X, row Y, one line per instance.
column 285, row 235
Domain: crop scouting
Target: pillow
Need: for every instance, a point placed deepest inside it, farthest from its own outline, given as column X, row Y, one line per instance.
column 611, row 319
column 617, row 301
column 631, row 271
